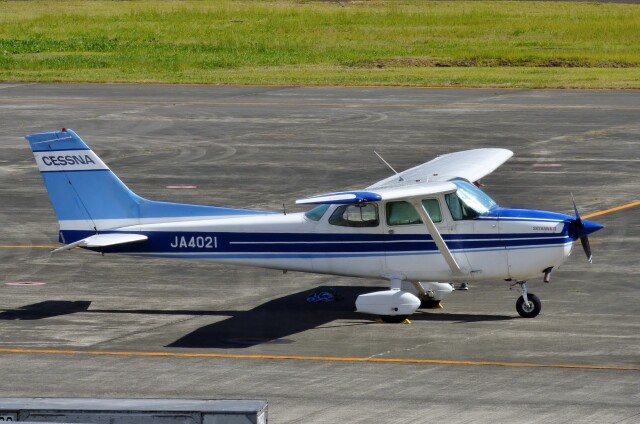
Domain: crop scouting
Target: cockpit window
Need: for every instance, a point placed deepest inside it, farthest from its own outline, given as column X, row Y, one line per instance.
column 363, row 215
column 468, row 202
column 458, row 209
column 316, row 213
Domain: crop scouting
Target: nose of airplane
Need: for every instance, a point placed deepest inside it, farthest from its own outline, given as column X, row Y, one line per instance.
column 580, row 229
column 588, row 227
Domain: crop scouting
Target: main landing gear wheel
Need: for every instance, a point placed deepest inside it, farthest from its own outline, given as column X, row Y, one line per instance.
column 430, row 304
column 529, row 309
column 393, row 319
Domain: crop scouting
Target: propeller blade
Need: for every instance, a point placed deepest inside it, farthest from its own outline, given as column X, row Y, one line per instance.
column 575, row 208
column 583, row 228
column 587, row 248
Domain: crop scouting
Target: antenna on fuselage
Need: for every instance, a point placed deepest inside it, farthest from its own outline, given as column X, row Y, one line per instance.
column 390, row 167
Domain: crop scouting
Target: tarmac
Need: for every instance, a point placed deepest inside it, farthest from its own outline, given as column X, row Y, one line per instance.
column 78, row 324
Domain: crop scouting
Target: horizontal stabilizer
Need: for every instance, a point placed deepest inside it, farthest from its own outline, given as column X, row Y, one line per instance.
column 103, row 240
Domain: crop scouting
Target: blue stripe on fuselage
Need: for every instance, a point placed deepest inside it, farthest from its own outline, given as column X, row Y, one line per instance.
column 315, row 255
column 310, row 243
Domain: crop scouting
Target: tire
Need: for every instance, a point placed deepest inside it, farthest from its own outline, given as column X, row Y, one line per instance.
column 429, row 303
column 529, row 311
column 393, row 319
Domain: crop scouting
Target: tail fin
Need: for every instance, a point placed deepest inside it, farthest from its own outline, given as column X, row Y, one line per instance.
column 82, row 189
column 88, row 197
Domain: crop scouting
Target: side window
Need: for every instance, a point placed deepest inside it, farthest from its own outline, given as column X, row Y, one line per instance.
column 402, row 213
column 432, row 206
column 458, row 209
column 365, row 215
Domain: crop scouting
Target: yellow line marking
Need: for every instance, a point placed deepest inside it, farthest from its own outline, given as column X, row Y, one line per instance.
column 617, row 208
column 311, row 358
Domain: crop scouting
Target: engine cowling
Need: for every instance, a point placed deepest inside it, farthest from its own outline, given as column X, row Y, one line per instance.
column 388, row 302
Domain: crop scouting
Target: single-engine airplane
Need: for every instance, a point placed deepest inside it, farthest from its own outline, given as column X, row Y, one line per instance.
column 420, row 229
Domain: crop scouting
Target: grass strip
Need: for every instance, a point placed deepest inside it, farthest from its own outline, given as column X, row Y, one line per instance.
column 413, row 43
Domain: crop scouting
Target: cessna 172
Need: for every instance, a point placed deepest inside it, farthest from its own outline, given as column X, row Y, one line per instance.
column 420, row 229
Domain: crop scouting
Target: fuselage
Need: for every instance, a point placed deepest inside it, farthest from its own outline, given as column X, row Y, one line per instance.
column 498, row 244
column 418, row 229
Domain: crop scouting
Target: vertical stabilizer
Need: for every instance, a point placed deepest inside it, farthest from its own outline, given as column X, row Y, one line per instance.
column 87, row 197
column 83, row 190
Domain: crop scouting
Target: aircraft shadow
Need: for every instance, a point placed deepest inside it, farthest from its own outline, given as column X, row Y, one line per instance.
column 274, row 320
column 46, row 309
column 269, row 323
column 425, row 315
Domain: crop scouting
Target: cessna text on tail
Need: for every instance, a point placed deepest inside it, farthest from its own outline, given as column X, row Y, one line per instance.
column 420, row 229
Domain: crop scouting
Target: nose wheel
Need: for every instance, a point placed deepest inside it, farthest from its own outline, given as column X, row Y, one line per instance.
column 528, row 305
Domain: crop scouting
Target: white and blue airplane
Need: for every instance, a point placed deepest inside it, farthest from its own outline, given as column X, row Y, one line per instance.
column 421, row 229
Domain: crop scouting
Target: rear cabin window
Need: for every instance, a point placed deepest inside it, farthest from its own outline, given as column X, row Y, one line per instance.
column 403, row 213
column 364, row 215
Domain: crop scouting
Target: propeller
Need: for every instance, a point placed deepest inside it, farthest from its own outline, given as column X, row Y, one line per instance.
column 581, row 230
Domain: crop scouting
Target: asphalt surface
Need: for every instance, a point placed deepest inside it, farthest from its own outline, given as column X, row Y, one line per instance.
column 110, row 326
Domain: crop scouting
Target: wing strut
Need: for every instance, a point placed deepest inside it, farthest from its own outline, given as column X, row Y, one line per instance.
column 437, row 238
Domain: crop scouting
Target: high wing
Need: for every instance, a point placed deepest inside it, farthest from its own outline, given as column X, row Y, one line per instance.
column 470, row 165
column 379, row 194
column 429, row 178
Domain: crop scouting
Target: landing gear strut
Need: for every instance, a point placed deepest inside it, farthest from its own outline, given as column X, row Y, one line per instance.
column 528, row 305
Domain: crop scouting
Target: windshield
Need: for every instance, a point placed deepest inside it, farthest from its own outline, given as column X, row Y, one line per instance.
column 316, row 213
column 473, row 197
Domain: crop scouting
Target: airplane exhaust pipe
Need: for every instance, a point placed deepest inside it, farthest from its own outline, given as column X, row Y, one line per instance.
column 547, row 274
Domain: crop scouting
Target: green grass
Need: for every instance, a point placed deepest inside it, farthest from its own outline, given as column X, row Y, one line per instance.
column 500, row 44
